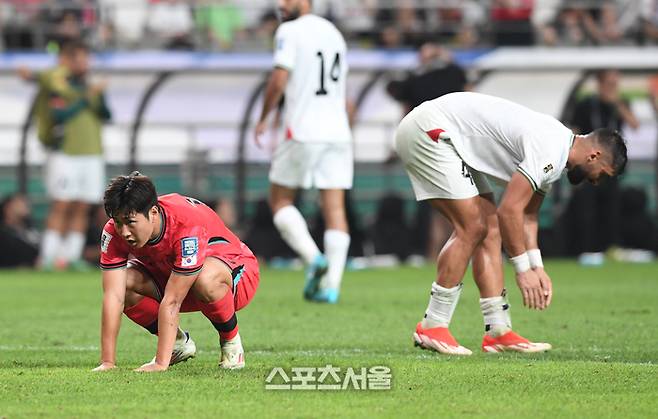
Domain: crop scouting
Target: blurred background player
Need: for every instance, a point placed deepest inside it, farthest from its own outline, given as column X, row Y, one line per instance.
column 20, row 241
column 594, row 214
column 70, row 113
column 311, row 67
column 165, row 255
column 448, row 146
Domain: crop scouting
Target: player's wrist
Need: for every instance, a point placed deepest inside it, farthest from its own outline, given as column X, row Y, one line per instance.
column 535, row 258
column 521, row 263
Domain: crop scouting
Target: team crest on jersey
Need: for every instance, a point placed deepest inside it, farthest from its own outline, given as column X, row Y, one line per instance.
column 548, row 168
column 105, row 241
column 190, row 248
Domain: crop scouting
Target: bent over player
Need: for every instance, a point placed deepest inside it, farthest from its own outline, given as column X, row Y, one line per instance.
column 450, row 146
column 165, row 255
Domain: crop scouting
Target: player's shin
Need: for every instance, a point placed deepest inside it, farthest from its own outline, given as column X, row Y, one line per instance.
column 432, row 332
column 336, row 246
column 441, row 307
column 294, row 231
column 496, row 314
column 221, row 314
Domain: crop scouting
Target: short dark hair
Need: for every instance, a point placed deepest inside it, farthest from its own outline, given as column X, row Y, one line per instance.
column 616, row 145
column 134, row 193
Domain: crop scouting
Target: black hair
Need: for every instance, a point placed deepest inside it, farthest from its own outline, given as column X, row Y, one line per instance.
column 134, row 193
column 612, row 141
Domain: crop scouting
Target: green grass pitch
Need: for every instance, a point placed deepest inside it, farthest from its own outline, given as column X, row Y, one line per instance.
column 603, row 325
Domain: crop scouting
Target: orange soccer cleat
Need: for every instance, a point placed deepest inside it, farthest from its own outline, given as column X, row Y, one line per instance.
column 438, row 339
column 510, row 341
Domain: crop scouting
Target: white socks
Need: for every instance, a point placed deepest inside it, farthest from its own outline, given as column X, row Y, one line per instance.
column 443, row 302
column 73, row 246
column 336, row 246
column 294, row 231
column 51, row 243
column 495, row 310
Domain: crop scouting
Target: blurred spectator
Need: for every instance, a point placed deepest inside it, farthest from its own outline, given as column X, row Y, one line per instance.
column 511, row 22
column 226, row 211
column 171, row 21
column 458, row 23
column 649, row 21
column 125, row 21
column 19, row 242
column 220, row 23
column 390, row 231
column 92, row 249
column 581, row 25
column 263, row 31
column 19, row 23
column 594, row 212
column 401, row 23
column 436, row 76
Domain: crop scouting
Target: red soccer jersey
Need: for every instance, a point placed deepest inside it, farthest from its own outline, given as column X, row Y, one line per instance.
column 190, row 232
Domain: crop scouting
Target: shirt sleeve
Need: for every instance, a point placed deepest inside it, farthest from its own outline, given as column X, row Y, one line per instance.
column 190, row 251
column 284, row 48
column 114, row 251
column 542, row 164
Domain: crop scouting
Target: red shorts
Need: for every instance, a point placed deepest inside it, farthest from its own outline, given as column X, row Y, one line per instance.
column 244, row 270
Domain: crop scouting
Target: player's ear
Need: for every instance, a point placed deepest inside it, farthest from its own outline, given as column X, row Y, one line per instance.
column 153, row 211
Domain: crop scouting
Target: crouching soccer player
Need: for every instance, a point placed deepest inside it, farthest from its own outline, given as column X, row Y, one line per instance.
column 165, row 255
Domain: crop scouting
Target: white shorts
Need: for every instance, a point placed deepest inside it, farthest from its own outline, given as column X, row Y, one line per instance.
column 305, row 165
column 434, row 167
column 75, row 178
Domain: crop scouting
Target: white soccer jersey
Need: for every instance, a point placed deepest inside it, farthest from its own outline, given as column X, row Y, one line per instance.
column 314, row 52
column 497, row 137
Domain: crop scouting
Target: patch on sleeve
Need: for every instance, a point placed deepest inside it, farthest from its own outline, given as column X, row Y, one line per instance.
column 105, row 241
column 190, row 249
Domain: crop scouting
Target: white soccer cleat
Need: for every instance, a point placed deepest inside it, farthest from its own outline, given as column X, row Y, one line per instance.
column 184, row 349
column 439, row 339
column 511, row 342
column 232, row 354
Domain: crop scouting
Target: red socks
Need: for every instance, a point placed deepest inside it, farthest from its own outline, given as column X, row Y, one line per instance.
column 221, row 314
column 145, row 314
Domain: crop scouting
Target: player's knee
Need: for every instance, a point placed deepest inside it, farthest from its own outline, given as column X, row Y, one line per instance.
column 214, row 281
column 134, row 280
column 476, row 231
column 211, row 292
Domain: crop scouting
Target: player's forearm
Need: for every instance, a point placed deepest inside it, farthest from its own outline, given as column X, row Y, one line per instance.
column 167, row 328
column 530, row 229
column 110, row 324
column 273, row 94
column 511, row 222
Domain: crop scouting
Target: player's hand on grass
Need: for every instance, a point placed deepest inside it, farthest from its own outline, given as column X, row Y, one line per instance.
column 531, row 289
column 105, row 366
column 261, row 126
column 152, row 367
column 546, row 284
